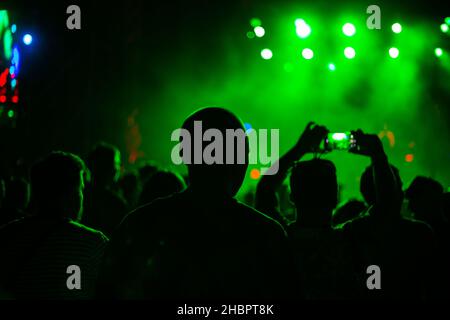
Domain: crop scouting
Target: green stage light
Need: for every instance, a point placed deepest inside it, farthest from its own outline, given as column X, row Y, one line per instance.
column 331, row 67
column 438, row 52
column 444, row 28
column 393, row 52
column 250, row 34
column 397, row 28
column 447, row 20
column 259, row 32
column 255, row 22
column 307, row 53
column 266, row 54
column 349, row 29
column 10, row 113
column 349, row 53
column 302, row 29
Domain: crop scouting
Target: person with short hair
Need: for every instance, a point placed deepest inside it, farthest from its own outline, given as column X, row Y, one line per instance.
column 37, row 251
column 202, row 242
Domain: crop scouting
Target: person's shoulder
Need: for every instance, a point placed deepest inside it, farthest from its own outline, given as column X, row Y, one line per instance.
column 24, row 223
column 150, row 213
column 13, row 223
column 156, row 206
column 87, row 232
column 353, row 224
column 417, row 225
column 256, row 219
column 142, row 225
column 12, row 227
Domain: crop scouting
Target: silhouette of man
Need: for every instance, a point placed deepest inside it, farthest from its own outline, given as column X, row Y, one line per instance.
column 104, row 207
column 425, row 201
column 403, row 249
column 201, row 243
column 424, row 197
column 37, row 250
column 321, row 253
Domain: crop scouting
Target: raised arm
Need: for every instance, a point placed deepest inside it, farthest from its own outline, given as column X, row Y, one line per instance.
column 266, row 191
column 387, row 189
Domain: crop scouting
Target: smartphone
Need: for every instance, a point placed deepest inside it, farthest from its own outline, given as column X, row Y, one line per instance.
column 340, row 141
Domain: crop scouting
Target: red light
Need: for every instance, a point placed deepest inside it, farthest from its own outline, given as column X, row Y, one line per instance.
column 3, row 77
column 133, row 157
column 15, row 99
column 409, row 157
column 2, row 99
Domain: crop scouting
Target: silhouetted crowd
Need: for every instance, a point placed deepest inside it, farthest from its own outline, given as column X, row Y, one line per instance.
column 153, row 234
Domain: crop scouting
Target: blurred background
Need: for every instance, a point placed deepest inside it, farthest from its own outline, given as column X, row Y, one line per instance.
column 137, row 68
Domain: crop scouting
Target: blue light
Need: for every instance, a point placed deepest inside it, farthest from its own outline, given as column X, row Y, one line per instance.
column 13, row 83
column 27, row 39
column 12, row 70
column 15, row 59
column 13, row 28
column 248, row 127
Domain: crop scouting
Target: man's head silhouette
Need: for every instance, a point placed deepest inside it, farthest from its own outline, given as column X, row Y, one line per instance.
column 104, row 163
column 218, row 178
column 367, row 185
column 314, row 190
column 424, row 198
column 57, row 185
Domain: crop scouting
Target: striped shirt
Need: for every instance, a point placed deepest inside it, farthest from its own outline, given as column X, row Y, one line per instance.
column 36, row 253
